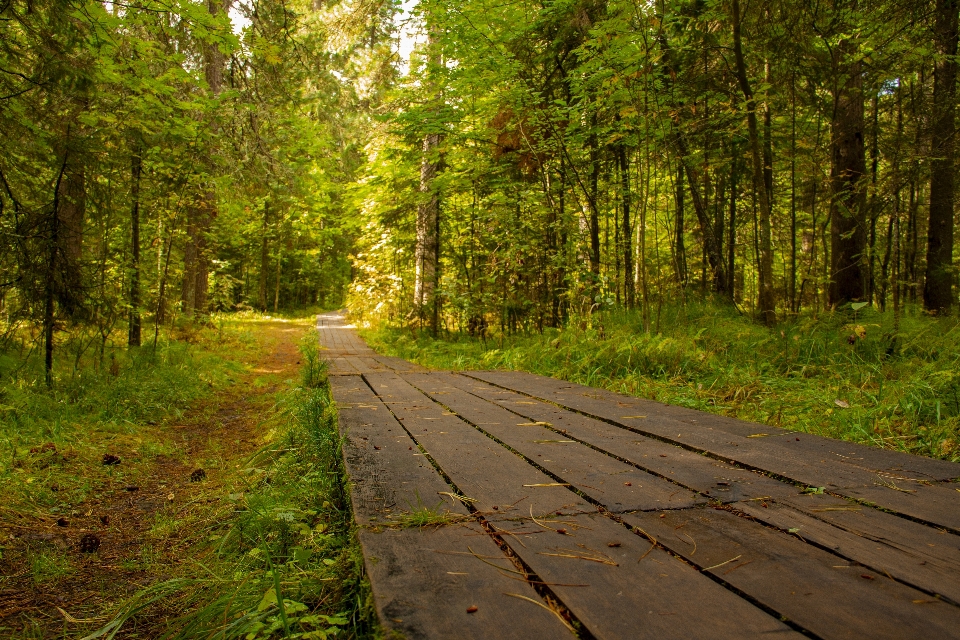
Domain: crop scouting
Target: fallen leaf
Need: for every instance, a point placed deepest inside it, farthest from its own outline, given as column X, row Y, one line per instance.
column 843, row 404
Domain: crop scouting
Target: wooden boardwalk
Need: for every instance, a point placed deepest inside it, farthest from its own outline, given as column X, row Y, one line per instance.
column 563, row 507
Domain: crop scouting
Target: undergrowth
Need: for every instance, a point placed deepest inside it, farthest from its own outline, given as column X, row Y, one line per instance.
column 854, row 375
column 281, row 557
column 95, row 400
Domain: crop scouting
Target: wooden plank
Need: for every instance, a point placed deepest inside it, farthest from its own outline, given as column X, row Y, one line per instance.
column 657, row 597
column 821, row 592
column 364, row 364
column 388, row 473
column 854, row 456
column 498, row 481
column 913, row 553
column 938, row 505
column 424, row 581
column 338, row 366
column 612, row 483
column 398, row 364
column 710, row 477
column 699, row 437
column 367, row 363
column 700, row 434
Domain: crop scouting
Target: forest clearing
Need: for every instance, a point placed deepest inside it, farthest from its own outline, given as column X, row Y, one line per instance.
column 676, row 280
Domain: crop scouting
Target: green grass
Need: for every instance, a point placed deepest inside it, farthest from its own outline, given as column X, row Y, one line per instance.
column 851, row 376
column 47, row 565
column 146, row 386
column 285, row 535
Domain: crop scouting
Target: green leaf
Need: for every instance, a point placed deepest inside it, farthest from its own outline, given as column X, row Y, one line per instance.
column 301, row 555
column 269, row 599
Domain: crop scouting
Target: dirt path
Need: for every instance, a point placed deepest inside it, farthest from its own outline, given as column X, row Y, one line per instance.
column 148, row 511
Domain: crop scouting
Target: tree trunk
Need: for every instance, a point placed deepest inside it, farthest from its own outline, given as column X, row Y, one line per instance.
column 427, row 248
column 593, row 198
column 848, row 239
column 679, row 250
column 938, row 284
column 711, row 244
column 136, row 168
column 53, row 252
column 873, row 207
column 70, row 213
column 626, row 233
column 276, row 290
column 794, row 301
column 766, row 298
column 732, row 234
column 264, row 258
column 768, row 135
column 200, row 216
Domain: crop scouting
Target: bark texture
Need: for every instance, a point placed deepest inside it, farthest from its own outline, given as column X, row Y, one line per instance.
column 848, row 234
column 938, row 285
column 427, row 249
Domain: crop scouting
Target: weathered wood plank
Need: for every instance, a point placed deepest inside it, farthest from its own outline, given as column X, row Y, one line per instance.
column 698, row 434
column 826, row 595
column 388, row 473
column 630, row 590
column 612, row 483
column 399, row 365
column 817, row 447
column 497, row 480
column 934, row 504
column 708, row 476
column 424, row 580
column 339, row 366
column 491, row 475
column 921, row 556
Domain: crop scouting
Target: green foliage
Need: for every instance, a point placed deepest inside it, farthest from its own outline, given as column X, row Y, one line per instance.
column 859, row 379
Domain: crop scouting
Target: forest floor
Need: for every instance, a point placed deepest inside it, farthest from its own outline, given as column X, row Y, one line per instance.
column 134, row 526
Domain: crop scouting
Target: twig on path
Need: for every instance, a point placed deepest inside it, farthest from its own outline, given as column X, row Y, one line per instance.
column 540, row 604
column 723, row 563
